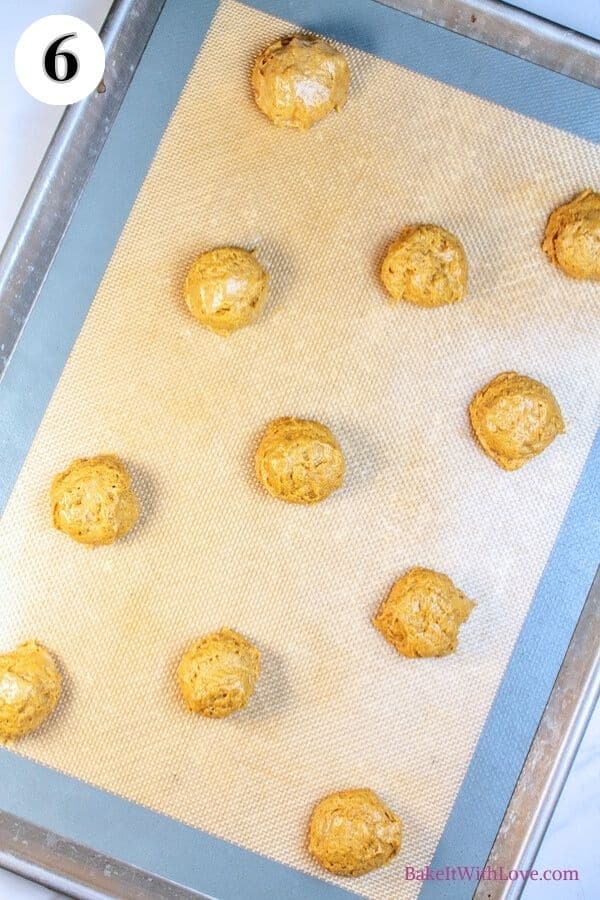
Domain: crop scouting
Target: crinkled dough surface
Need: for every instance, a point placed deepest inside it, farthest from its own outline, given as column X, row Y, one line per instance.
column 226, row 288
column 300, row 79
column 92, row 500
column 218, row 673
column 30, row 687
column 515, row 418
column 572, row 236
column 353, row 832
column 299, row 460
column 422, row 614
column 187, row 410
column 425, row 265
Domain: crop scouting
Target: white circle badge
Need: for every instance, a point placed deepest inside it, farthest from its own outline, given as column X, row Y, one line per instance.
column 59, row 60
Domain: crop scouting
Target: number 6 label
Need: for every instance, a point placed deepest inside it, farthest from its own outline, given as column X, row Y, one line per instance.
column 71, row 62
column 59, row 59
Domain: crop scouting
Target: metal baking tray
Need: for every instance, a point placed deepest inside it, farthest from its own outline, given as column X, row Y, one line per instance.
column 81, row 871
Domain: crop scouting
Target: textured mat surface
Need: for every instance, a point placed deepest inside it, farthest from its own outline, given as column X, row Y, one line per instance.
column 335, row 706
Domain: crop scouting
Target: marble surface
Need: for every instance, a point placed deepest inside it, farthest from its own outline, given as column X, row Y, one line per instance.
column 26, row 126
column 580, row 15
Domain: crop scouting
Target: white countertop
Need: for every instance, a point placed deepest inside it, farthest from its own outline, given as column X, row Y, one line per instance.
column 26, row 127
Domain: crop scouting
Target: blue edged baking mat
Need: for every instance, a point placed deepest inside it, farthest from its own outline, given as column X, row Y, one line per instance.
column 131, row 832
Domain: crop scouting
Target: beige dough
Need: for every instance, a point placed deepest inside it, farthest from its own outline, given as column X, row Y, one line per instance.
column 30, row 686
column 423, row 613
column 226, row 289
column 514, row 418
column 425, row 265
column 93, row 502
column 299, row 460
column 353, row 832
column 572, row 238
column 218, row 673
column 298, row 80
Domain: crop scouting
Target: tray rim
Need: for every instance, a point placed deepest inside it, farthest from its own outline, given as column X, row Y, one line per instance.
column 514, row 31
column 64, row 171
column 79, row 141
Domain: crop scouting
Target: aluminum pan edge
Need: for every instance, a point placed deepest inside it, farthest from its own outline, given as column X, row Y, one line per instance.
column 515, row 31
column 66, row 167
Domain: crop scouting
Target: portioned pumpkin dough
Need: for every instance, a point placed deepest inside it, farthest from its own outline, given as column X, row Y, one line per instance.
column 353, row 832
column 298, row 80
column 93, row 502
column 226, row 288
column 515, row 418
column 218, row 673
column 425, row 265
column 299, row 460
column 572, row 238
column 30, row 686
column 423, row 613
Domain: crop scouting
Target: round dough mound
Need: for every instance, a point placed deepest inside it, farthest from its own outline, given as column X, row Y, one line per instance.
column 572, row 238
column 353, row 832
column 514, row 418
column 226, row 289
column 299, row 460
column 218, row 673
column 92, row 501
column 30, row 685
column 298, row 80
column 423, row 613
column 425, row 265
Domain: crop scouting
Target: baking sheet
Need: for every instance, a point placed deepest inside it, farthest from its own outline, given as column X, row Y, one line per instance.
column 332, row 706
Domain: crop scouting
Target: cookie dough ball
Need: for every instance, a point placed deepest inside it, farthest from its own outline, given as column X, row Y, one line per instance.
column 93, row 502
column 226, row 289
column 218, row 673
column 299, row 460
column 298, row 80
column 572, row 238
column 425, row 265
column 423, row 613
column 353, row 832
column 30, row 685
column 514, row 418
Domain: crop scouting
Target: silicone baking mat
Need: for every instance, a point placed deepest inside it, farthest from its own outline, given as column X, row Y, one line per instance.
column 335, row 706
